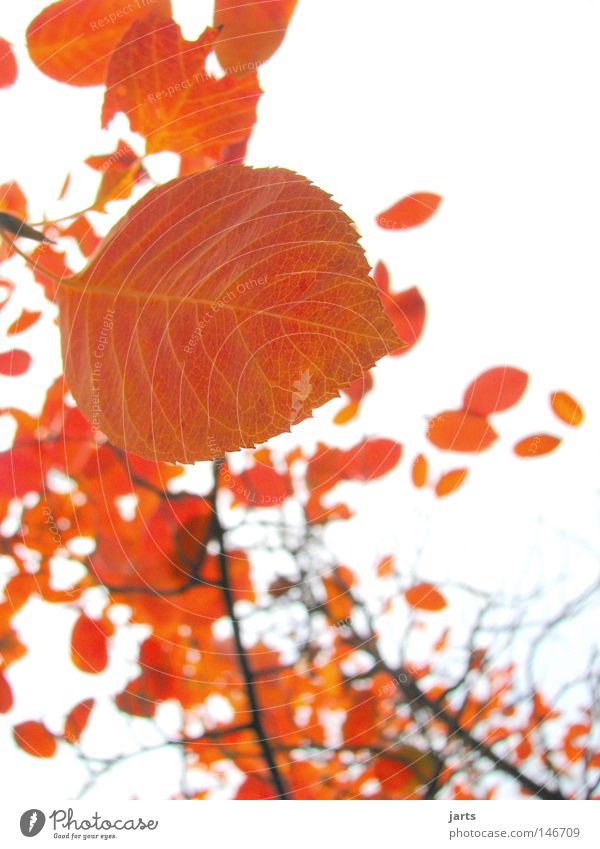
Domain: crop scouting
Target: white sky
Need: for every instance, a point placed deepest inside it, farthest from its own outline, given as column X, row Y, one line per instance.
column 493, row 106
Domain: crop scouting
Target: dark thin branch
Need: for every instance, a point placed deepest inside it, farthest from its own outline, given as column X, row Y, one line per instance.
column 248, row 675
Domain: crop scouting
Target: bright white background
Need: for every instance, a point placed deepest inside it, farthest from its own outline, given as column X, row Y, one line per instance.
column 492, row 105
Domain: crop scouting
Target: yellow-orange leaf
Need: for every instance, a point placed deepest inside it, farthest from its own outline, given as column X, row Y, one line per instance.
column 450, row 481
column 566, row 408
column 71, row 41
column 250, row 31
column 536, row 445
column 221, row 310
column 172, row 100
column 35, row 739
column 425, row 596
column 419, row 471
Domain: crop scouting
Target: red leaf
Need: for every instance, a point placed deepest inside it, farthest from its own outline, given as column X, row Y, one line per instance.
column 255, row 788
column 425, row 596
column 8, row 64
column 215, row 331
column 410, row 211
column 450, row 481
column 35, row 739
column 495, row 390
column 14, row 363
column 456, row 430
column 536, row 445
column 84, row 234
column 183, row 108
column 89, row 646
column 566, row 408
column 23, row 322
column 6, row 696
column 72, row 40
column 77, row 720
column 250, row 31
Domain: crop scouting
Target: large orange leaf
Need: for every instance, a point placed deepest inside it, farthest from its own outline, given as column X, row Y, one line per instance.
column 456, row 430
column 222, row 309
column 172, row 100
column 410, row 211
column 71, row 41
column 8, row 64
column 250, row 31
column 566, row 408
column 35, row 739
column 495, row 390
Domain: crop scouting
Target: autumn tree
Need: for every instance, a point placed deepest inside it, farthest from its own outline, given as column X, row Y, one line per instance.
column 220, row 310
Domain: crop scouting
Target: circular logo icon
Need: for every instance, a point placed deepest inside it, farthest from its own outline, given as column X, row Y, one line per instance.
column 32, row 822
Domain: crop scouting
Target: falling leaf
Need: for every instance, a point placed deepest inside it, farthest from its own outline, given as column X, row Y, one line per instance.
column 385, row 567
column 72, row 40
column 566, row 408
column 450, row 481
column 89, row 647
column 410, row 211
column 536, row 445
column 8, row 64
column 495, row 390
column 456, row 430
column 77, row 720
column 23, row 322
column 192, row 330
column 14, row 363
column 35, row 739
column 425, row 596
column 406, row 310
column 184, row 108
column 419, row 471
column 250, row 32
column 6, row 695
column 121, row 171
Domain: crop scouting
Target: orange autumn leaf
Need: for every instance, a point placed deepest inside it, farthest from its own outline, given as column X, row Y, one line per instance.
column 13, row 201
column 407, row 310
column 450, row 481
column 250, row 31
column 183, row 108
column 89, row 647
column 425, row 596
column 385, row 567
column 77, row 720
column 419, row 471
column 195, row 331
column 255, row 788
column 23, row 322
column 14, row 363
column 566, row 408
column 456, row 430
column 410, row 211
column 121, row 171
column 495, row 390
column 35, row 739
column 72, row 40
column 8, row 64
column 6, row 695
column 536, row 445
